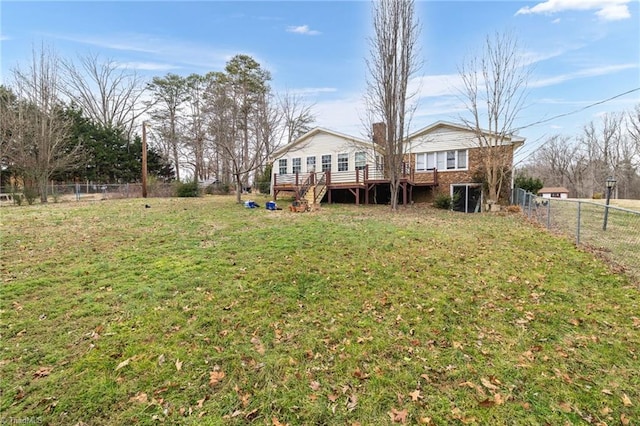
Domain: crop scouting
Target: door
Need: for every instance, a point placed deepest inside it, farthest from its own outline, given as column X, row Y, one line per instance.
column 466, row 198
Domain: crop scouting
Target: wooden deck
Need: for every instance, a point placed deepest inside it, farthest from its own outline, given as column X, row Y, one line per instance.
column 360, row 183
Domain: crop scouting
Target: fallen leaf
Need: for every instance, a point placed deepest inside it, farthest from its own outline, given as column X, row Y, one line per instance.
column 314, row 385
column 626, row 400
column 606, row 392
column 624, row 420
column 178, row 365
column 499, row 399
column 487, row 403
column 415, row 395
column 123, row 364
column 201, row 402
column 257, row 345
column 565, row 406
column 215, row 377
column 352, row 402
column 425, row 421
column 605, row 411
column 276, row 422
column 332, row 397
column 398, row 416
column 487, row 384
column 45, row 371
column 140, row 398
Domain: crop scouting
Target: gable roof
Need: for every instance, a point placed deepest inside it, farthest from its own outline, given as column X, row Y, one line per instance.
column 314, row 132
column 515, row 140
column 552, row 190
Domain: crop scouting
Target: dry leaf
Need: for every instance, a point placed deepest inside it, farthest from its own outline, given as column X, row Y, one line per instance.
column 178, row 365
column 487, row 403
column 123, row 364
column 215, row 377
column 332, row 397
column 315, row 385
column 486, row 383
column 45, row 371
column 415, row 395
column 257, row 345
column 499, row 400
column 276, row 422
column 398, row 416
column 352, row 402
column 626, row 400
column 565, row 406
column 624, row 420
column 606, row 392
column 425, row 421
column 140, row 398
column 605, row 411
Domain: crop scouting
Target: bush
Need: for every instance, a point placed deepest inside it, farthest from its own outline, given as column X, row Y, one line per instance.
column 30, row 194
column 529, row 184
column 443, row 201
column 597, row 196
column 188, row 189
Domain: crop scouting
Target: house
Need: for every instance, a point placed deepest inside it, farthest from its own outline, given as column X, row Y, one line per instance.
column 554, row 192
column 327, row 165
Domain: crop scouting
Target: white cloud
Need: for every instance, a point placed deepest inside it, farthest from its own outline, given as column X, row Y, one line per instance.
column 4, row 37
column 147, row 66
column 556, row 21
column 307, row 91
column 589, row 72
column 608, row 10
column 302, row 29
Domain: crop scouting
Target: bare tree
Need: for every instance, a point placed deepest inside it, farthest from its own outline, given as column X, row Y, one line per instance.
column 494, row 92
column 297, row 116
column 107, row 93
column 40, row 141
column 392, row 63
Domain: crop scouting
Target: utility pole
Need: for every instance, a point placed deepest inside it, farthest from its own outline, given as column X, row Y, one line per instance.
column 144, row 159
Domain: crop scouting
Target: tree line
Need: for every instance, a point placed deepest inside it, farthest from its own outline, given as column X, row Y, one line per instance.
column 79, row 120
column 606, row 147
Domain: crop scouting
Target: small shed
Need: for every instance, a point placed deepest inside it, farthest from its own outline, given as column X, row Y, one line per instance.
column 554, row 192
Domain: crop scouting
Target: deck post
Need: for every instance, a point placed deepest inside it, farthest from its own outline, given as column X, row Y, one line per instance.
column 404, row 194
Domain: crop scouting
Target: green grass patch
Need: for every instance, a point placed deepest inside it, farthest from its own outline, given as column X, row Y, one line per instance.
column 199, row 311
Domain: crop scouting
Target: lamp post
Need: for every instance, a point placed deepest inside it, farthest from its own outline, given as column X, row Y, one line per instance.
column 610, row 183
column 144, row 159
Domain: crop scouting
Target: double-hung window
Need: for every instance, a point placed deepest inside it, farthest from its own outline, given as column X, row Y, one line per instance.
column 343, row 162
column 296, row 165
column 326, row 163
column 442, row 160
column 282, row 166
column 311, row 164
column 361, row 160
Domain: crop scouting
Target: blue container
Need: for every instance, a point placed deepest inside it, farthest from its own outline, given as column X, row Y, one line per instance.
column 271, row 205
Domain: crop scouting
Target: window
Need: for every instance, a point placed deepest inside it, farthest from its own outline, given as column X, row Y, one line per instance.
column 326, row 163
column 451, row 160
column 296, row 165
column 462, row 159
column 361, row 160
column 311, row 164
column 443, row 160
column 282, row 166
column 343, row 162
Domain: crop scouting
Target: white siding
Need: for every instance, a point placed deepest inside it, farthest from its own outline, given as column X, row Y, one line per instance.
column 321, row 144
column 442, row 139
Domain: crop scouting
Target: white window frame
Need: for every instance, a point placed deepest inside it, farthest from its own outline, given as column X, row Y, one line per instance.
column 360, row 160
column 282, row 165
column 448, row 160
column 343, row 162
column 296, row 168
column 326, row 166
column 311, row 165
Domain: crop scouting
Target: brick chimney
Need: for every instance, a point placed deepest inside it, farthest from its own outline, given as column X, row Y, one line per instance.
column 379, row 133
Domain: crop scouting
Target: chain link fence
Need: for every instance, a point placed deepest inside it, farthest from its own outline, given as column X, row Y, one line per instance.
column 611, row 231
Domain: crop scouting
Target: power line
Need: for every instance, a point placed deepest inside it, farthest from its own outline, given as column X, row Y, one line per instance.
column 566, row 114
column 578, row 110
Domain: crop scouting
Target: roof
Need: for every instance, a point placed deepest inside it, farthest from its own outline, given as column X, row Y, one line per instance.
column 553, row 190
column 314, row 132
column 516, row 140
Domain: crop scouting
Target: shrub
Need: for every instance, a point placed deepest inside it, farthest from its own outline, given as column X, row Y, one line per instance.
column 187, row 189
column 514, row 209
column 443, row 201
column 597, row 196
column 30, row 194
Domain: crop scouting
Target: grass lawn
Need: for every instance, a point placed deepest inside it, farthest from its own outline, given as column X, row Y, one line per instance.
column 202, row 312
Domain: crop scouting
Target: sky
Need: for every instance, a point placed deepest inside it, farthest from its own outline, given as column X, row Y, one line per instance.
column 581, row 52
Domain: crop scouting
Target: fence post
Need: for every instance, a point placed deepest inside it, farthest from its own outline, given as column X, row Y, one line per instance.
column 529, row 198
column 578, row 227
column 549, row 214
